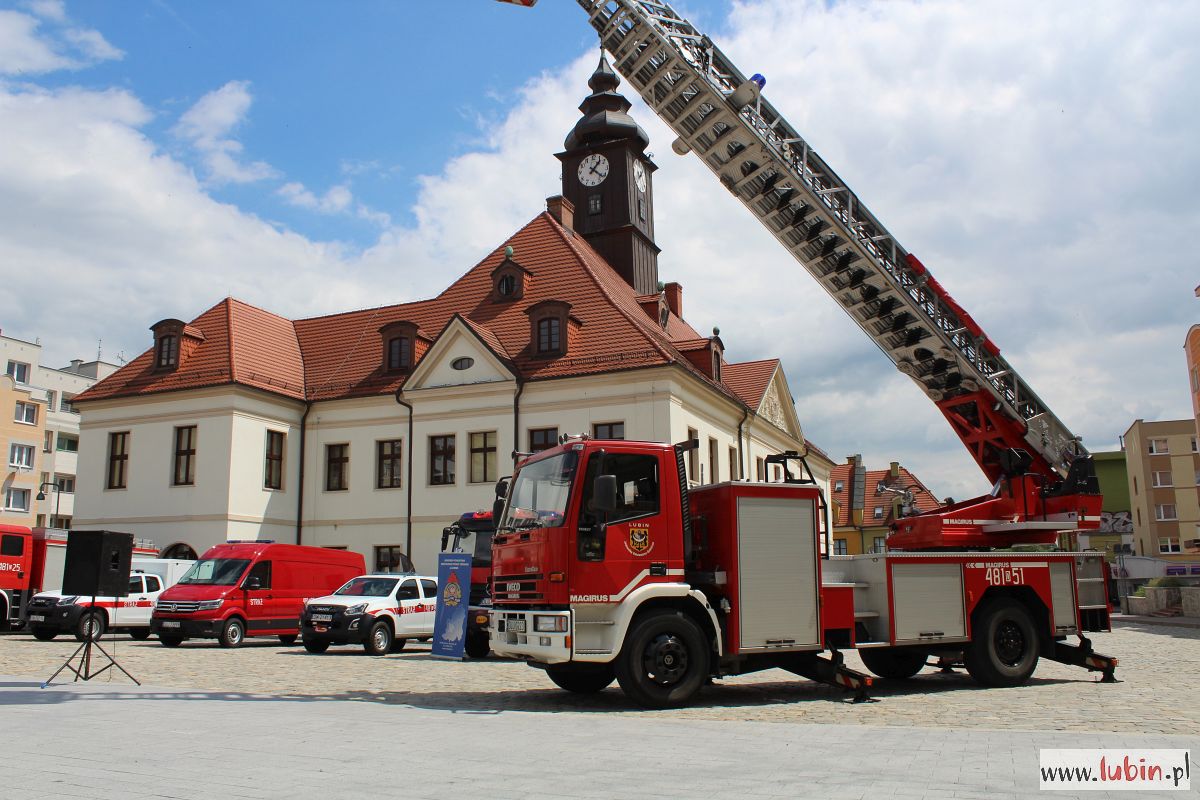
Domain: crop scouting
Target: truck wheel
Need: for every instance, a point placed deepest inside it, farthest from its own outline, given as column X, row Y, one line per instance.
column 288, row 639
column 664, row 660
column 315, row 646
column 233, row 634
column 398, row 645
column 43, row 634
column 141, row 634
column 1004, row 650
column 582, row 679
column 170, row 641
column 379, row 639
column 90, row 626
column 892, row 663
column 479, row 647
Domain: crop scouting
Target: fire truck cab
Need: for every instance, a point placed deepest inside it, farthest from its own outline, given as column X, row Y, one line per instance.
column 606, row 566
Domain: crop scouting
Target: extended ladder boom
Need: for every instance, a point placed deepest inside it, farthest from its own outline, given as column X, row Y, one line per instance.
column 760, row 158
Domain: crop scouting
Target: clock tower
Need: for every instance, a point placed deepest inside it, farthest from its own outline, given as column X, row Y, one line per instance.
column 607, row 176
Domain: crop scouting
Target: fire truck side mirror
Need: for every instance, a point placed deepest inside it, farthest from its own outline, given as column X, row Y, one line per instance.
column 604, row 493
column 502, row 488
column 252, row 584
column 445, row 538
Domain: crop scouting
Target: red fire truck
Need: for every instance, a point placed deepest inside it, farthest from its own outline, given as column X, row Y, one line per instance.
column 606, row 565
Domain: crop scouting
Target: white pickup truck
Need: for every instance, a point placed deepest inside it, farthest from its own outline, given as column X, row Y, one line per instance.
column 381, row 611
column 52, row 613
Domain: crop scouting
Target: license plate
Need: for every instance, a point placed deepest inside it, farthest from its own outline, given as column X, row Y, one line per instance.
column 36, row 618
column 515, row 626
column 322, row 617
column 170, row 623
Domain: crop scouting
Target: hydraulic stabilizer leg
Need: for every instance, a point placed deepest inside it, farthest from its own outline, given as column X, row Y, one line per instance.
column 1082, row 655
column 831, row 671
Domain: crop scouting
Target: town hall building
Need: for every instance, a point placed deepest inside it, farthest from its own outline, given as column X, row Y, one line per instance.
column 373, row 429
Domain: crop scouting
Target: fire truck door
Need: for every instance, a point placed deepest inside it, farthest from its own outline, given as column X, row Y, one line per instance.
column 408, row 601
column 126, row 611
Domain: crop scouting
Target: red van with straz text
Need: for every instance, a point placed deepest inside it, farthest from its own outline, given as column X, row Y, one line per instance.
column 258, row 588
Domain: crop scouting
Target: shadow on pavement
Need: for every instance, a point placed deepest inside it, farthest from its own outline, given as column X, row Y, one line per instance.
column 1178, row 631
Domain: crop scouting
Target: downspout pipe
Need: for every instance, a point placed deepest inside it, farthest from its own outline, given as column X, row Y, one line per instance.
column 300, row 479
column 517, row 420
column 741, row 455
column 409, row 478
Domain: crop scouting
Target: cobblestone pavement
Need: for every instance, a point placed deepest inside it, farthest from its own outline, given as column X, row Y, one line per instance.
column 1159, row 673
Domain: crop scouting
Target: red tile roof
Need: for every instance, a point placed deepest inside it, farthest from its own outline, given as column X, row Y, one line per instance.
column 925, row 499
column 341, row 355
column 750, row 379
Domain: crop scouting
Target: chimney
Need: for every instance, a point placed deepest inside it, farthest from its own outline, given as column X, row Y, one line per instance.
column 894, row 470
column 674, row 293
column 562, row 210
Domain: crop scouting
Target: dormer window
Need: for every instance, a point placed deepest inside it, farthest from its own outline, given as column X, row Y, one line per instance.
column 506, row 287
column 167, row 352
column 716, row 365
column 549, row 336
column 509, row 280
column 402, row 346
column 552, row 328
column 664, row 315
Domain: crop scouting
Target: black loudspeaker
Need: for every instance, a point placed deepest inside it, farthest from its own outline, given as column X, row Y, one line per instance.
column 97, row 563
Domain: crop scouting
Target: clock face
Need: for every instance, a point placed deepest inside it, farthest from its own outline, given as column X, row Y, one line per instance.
column 639, row 176
column 593, row 170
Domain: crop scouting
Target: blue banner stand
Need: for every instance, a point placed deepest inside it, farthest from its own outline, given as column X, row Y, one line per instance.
column 454, row 594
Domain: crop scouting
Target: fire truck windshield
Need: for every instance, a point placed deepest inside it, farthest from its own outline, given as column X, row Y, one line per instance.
column 539, row 496
column 215, row 572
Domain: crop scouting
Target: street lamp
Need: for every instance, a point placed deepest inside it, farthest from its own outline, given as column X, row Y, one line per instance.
column 41, row 495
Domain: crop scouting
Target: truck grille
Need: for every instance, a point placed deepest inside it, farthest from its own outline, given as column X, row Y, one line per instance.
column 42, row 602
column 517, row 588
column 326, row 609
column 177, row 606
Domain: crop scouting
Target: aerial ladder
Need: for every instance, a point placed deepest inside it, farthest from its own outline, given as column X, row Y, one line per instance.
column 1043, row 478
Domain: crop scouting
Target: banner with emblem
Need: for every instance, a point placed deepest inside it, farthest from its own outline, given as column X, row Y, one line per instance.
column 454, row 594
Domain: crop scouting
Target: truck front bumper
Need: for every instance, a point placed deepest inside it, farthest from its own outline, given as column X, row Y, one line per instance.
column 55, row 618
column 341, row 628
column 186, row 628
column 541, row 636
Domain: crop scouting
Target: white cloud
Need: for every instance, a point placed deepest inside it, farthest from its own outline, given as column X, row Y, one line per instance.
column 53, row 10
column 92, row 44
column 208, row 126
column 27, row 49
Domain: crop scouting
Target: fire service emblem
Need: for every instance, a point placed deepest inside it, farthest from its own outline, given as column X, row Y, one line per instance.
column 639, row 543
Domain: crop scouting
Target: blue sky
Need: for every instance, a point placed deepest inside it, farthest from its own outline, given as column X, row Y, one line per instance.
column 309, row 157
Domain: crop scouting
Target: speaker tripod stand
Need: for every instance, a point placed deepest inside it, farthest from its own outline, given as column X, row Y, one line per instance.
column 84, row 671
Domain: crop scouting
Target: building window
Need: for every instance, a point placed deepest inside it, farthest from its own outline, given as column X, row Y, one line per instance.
column 1167, row 544
column 542, row 439
column 878, row 513
column 1195, row 444
column 166, row 351
column 608, row 430
column 1158, row 447
column 595, row 204
column 273, row 466
column 483, row 457
column 67, row 404
column 50, row 398
column 391, row 558
column 1165, row 512
column 441, row 460
column 185, row 456
column 19, row 371
column 388, row 464
column 549, row 335
column 716, row 365
column 734, row 472
column 16, row 500
column 880, row 545
column 838, row 486
column 460, row 364
column 399, row 353
column 760, row 470
column 713, row 471
column 21, row 456
column 68, row 443
column 65, row 483
column 839, row 547
column 337, row 467
column 642, row 209
column 1162, row 479
column 118, row 459
column 48, row 442
column 693, row 457
column 26, row 413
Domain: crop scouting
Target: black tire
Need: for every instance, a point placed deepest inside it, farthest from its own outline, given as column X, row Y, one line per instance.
column 91, row 623
column 398, row 644
column 170, row 641
column 288, row 639
column 379, row 639
column 43, row 634
column 141, row 634
column 891, row 663
column 1004, row 649
column 424, row 638
column 664, row 660
column 233, row 634
column 478, row 646
column 316, row 646
column 582, row 678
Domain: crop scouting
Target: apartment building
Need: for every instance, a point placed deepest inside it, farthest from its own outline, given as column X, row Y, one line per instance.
column 1163, row 466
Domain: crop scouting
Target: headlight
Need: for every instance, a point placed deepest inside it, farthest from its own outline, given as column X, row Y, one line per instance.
column 68, row 601
column 357, row 609
column 550, row 624
column 209, row 605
